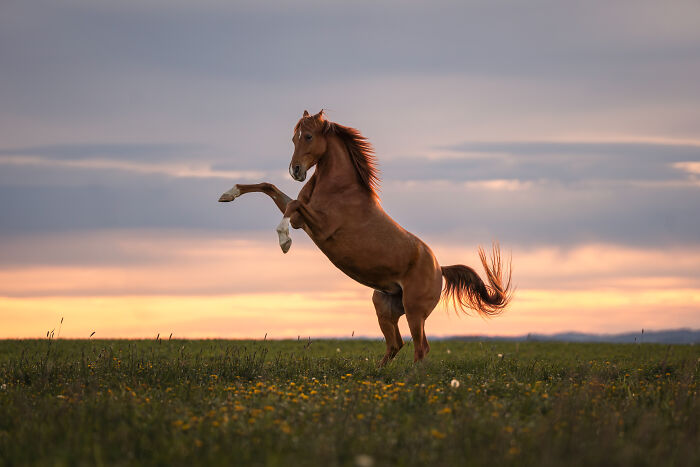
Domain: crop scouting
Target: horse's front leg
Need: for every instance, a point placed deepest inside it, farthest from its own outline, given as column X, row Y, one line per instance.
column 290, row 216
column 314, row 223
column 300, row 216
column 293, row 216
column 280, row 199
column 283, row 234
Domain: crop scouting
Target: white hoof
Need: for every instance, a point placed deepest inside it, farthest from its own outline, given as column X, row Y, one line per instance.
column 230, row 195
column 283, row 234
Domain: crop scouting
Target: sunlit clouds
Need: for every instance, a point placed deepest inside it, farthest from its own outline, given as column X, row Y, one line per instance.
column 170, row 169
column 198, row 285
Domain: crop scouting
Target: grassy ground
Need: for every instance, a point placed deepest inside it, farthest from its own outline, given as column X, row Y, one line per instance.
column 325, row 403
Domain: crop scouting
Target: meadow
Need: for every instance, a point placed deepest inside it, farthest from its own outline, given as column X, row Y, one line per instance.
column 307, row 402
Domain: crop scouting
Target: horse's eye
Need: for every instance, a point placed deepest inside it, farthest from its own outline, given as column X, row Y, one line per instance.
column 308, row 137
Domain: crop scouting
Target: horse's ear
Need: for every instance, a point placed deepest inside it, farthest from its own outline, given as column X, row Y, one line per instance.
column 320, row 116
column 306, row 113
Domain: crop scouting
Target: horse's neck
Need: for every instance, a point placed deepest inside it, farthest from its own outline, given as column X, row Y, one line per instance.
column 336, row 171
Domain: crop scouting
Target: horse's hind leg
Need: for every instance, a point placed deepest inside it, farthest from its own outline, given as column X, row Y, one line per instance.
column 280, row 199
column 419, row 299
column 389, row 309
column 416, row 323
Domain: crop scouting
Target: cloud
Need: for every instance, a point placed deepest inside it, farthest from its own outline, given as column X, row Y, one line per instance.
column 282, row 42
column 580, row 125
column 162, row 262
column 218, row 87
column 520, row 192
column 491, row 165
column 338, row 315
column 689, row 167
column 167, row 262
column 129, row 68
column 564, row 162
column 139, row 283
column 182, row 160
column 137, row 152
column 548, row 213
column 172, row 169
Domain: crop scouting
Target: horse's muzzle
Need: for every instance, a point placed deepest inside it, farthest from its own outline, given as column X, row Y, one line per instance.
column 297, row 173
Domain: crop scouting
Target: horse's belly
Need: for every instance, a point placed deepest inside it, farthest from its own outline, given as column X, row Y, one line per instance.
column 376, row 266
column 374, row 279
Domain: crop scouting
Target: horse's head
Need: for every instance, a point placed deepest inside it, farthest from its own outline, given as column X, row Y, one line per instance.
column 309, row 144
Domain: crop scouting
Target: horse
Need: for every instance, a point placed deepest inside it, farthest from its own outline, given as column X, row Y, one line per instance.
column 339, row 209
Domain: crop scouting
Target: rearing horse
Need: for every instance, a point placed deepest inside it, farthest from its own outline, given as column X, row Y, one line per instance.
column 339, row 209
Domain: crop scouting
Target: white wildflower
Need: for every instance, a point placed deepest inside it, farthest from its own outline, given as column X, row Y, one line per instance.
column 3, row 387
column 338, row 349
column 454, row 383
column 449, row 351
column 500, row 355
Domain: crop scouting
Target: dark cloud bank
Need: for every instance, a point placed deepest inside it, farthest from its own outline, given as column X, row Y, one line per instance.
column 560, row 193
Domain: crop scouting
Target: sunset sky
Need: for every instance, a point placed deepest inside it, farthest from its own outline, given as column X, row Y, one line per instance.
column 567, row 131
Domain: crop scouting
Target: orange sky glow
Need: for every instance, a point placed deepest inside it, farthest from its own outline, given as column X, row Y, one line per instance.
column 196, row 286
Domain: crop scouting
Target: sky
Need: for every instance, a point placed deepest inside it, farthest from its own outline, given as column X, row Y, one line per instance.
column 567, row 131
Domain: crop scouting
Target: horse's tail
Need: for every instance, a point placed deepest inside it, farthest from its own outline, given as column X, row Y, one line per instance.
column 465, row 289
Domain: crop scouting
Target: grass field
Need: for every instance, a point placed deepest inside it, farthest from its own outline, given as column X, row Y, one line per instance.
column 325, row 402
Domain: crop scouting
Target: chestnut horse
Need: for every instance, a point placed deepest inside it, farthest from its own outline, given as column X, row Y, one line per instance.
column 339, row 209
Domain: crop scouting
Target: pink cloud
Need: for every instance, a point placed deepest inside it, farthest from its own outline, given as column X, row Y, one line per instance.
column 203, row 285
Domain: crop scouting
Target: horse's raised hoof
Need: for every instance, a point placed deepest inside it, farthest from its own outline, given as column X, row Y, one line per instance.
column 286, row 246
column 230, row 195
column 283, row 234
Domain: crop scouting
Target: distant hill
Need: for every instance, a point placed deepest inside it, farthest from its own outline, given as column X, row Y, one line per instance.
column 672, row 336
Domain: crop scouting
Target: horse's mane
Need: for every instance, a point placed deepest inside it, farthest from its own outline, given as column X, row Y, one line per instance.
column 359, row 148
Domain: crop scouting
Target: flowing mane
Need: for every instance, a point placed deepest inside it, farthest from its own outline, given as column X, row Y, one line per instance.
column 359, row 148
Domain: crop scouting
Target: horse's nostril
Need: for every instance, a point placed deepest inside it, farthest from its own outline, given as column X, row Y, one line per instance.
column 297, row 169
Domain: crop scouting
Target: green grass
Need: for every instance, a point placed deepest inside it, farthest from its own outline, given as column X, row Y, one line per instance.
column 293, row 403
